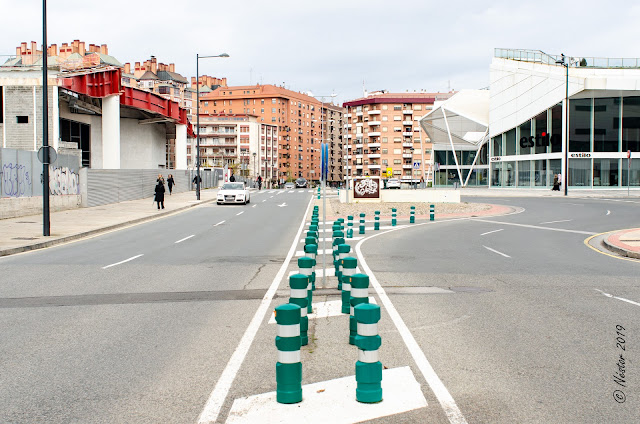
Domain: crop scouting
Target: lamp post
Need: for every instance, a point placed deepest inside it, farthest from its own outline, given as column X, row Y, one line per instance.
column 198, row 57
column 564, row 61
column 411, row 149
column 46, row 224
column 255, row 177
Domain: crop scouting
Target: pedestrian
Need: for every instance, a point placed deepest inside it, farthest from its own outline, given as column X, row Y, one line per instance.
column 160, row 193
column 160, row 178
column 170, row 183
column 556, row 183
column 232, row 178
column 197, row 179
column 259, row 182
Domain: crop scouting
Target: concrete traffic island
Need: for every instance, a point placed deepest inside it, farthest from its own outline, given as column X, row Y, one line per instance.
column 624, row 242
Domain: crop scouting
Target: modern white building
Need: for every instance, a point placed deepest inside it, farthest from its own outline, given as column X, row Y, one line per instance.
column 578, row 118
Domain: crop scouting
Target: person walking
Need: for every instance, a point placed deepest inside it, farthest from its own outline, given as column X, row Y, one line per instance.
column 556, row 183
column 160, row 193
column 232, row 178
column 160, row 178
column 259, row 182
column 170, row 183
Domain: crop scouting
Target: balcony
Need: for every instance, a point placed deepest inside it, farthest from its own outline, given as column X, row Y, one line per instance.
column 407, row 144
column 349, row 136
column 407, row 111
column 359, row 124
column 374, row 155
column 407, row 166
column 359, row 166
column 407, row 134
column 359, row 145
column 374, row 134
column 348, row 115
column 374, row 166
column 407, row 155
column 374, row 123
column 374, row 112
column 374, row 145
column 359, row 113
column 407, row 122
column 359, row 156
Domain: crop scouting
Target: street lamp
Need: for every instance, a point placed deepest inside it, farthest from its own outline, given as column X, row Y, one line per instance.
column 254, row 166
column 411, row 149
column 566, row 62
column 198, row 57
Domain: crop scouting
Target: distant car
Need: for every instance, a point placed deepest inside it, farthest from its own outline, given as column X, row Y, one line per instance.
column 289, row 185
column 393, row 183
column 234, row 193
column 301, row 183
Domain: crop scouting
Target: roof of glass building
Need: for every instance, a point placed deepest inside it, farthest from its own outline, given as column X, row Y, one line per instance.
column 539, row 56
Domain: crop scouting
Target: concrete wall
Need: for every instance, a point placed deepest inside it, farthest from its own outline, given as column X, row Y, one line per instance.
column 25, row 101
column 407, row 196
column 95, row 123
column 24, row 206
column 142, row 146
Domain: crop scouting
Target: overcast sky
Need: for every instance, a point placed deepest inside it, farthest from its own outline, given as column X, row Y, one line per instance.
column 332, row 46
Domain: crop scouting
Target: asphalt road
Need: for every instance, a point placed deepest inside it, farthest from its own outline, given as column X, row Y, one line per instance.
column 516, row 315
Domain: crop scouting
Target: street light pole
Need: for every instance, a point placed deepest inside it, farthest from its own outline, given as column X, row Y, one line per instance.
column 198, row 57
column 46, row 224
column 564, row 61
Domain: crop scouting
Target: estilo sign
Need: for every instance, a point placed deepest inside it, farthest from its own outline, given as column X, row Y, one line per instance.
column 366, row 188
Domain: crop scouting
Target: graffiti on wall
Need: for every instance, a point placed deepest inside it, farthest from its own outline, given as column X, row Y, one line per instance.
column 16, row 180
column 63, row 180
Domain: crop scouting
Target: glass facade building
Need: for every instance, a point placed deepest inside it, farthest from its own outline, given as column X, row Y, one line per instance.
column 601, row 131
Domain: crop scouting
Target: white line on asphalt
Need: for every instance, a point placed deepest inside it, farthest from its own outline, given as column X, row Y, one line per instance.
column 270, row 197
column 219, row 223
column 619, row 298
column 553, row 222
column 562, row 230
column 439, row 390
column 575, row 204
column 240, row 213
column 265, row 200
column 221, row 390
column 489, row 232
column 254, row 206
column 608, row 212
column 186, row 238
column 121, row 262
column 495, row 251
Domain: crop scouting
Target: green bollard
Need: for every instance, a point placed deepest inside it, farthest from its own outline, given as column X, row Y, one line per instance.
column 359, row 294
column 376, row 224
column 343, row 251
column 299, row 284
column 432, row 212
column 350, row 226
column 394, row 221
column 412, row 218
column 361, row 231
column 309, row 240
column 349, row 265
column 368, row 366
column 288, row 367
column 305, row 267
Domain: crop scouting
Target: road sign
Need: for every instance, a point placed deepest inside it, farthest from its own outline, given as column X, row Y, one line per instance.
column 416, row 165
column 389, row 172
column 52, row 155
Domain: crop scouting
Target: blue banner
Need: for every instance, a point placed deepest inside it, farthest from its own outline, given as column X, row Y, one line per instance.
column 324, row 164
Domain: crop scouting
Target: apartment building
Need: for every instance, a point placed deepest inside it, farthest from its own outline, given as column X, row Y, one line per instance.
column 333, row 129
column 237, row 141
column 299, row 120
column 383, row 134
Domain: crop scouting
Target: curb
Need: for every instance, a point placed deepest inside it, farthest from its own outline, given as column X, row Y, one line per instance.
column 65, row 239
column 619, row 250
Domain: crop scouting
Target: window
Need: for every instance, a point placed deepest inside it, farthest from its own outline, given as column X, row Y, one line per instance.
column 397, row 107
column 205, row 103
column 397, row 161
column 385, row 151
column 22, row 119
column 510, row 143
column 397, row 151
column 385, row 118
column 385, row 161
column 1, row 106
column 580, row 127
column 261, row 101
column 541, row 128
column 384, row 129
column 606, row 125
column 630, row 125
column 397, row 129
column 397, row 118
column 384, row 107
column 273, row 101
column 262, row 110
column 273, row 110
column 525, row 137
column 417, row 107
column 384, row 139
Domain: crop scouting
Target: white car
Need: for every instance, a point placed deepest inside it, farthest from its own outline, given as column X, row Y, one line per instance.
column 289, row 185
column 233, row 193
column 393, row 183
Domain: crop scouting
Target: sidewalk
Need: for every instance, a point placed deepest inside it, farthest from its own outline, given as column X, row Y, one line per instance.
column 25, row 233
column 624, row 242
column 614, row 193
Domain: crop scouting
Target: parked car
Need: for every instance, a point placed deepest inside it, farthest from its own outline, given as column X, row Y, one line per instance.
column 289, row 185
column 234, row 193
column 393, row 183
column 301, row 183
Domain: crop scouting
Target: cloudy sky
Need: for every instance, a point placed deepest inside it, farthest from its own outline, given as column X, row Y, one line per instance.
column 332, row 46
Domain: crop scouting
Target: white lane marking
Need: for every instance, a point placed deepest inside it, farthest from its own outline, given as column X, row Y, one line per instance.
column 240, row 213
column 121, row 262
column 186, row 238
column 562, row 230
column 575, row 204
column 495, row 251
column 437, row 387
column 221, row 390
column 320, row 252
column 553, row 222
column 265, row 200
column 282, row 205
column 619, row 298
column 608, row 212
column 219, row 223
column 270, row 197
column 402, row 393
column 254, row 206
column 489, row 232
column 329, row 308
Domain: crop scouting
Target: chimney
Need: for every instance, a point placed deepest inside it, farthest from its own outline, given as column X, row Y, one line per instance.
column 127, row 68
column 23, row 47
column 154, row 65
column 172, row 67
column 34, row 47
column 81, row 49
column 104, row 49
column 74, row 46
column 53, row 50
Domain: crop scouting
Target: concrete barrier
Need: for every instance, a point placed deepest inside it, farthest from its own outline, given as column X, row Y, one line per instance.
column 409, row 196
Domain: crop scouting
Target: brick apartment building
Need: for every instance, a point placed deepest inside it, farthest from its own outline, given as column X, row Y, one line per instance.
column 298, row 118
column 383, row 133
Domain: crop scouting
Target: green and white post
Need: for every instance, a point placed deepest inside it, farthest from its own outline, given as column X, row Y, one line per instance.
column 298, row 296
column 349, row 265
column 350, row 226
column 394, row 220
column 343, row 251
column 376, row 224
column 432, row 212
column 359, row 294
column 361, row 231
column 288, row 367
column 412, row 218
column 305, row 267
column 368, row 366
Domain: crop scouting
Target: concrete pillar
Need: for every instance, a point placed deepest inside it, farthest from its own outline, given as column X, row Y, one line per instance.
column 55, row 106
column 111, row 132
column 181, row 146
